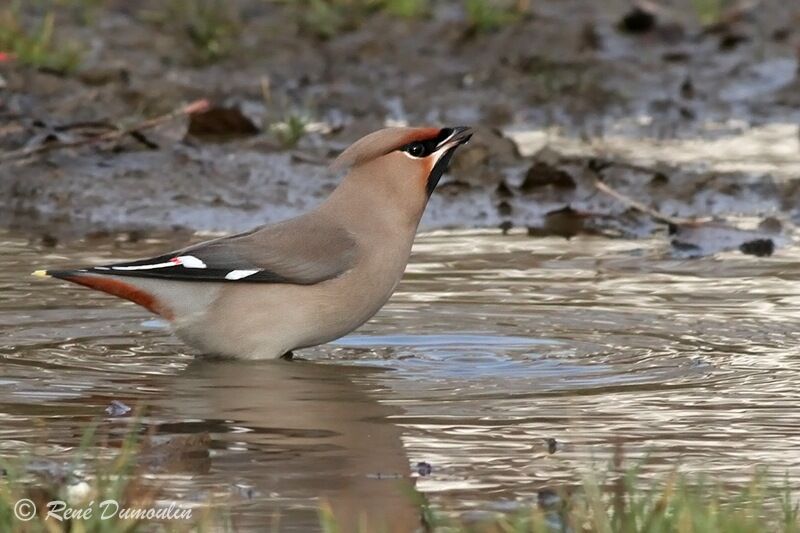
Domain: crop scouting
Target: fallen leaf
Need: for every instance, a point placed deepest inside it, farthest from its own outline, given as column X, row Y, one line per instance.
column 221, row 123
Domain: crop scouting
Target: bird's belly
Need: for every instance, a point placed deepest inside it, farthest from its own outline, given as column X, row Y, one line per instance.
column 254, row 321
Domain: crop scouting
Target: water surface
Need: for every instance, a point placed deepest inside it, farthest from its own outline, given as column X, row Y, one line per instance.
column 492, row 346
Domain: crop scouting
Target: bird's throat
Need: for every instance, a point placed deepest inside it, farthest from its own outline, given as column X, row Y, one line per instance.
column 438, row 170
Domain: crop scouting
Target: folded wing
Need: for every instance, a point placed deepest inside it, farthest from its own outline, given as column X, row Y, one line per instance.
column 301, row 251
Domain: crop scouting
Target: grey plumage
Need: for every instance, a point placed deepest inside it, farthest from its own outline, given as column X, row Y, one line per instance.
column 304, row 281
column 303, row 250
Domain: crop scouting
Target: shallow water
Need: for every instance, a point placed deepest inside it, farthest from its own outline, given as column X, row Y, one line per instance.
column 492, row 345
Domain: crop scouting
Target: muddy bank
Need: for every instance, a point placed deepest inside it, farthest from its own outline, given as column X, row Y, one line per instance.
column 692, row 117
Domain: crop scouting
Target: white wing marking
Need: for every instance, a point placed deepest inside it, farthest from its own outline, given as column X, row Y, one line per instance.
column 190, row 261
column 239, row 274
column 187, row 261
column 147, row 267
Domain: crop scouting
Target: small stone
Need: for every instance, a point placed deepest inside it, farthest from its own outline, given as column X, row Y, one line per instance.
column 244, row 490
column 687, row 89
column 117, row 408
column 659, row 179
column 78, row 493
column 503, row 190
column 49, row 241
column 135, row 236
column 424, row 469
column 589, row 38
column 729, row 41
column 565, row 222
column 552, row 445
column 547, row 498
column 758, row 247
column 781, row 34
column 543, row 174
column 473, row 156
column 770, row 225
column 637, row 21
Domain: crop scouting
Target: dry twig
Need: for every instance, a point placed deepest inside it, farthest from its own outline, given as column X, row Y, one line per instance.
column 198, row 106
column 637, row 205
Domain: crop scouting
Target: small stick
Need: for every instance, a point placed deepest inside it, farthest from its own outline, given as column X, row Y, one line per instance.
column 198, row 106
column 635, row 204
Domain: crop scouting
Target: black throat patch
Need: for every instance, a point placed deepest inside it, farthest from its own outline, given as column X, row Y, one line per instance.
column 438, row 170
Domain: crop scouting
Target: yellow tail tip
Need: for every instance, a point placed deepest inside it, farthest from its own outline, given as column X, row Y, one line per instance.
column 40, row 274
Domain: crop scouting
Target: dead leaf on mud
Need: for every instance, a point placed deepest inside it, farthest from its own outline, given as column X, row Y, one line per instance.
column 221, row 123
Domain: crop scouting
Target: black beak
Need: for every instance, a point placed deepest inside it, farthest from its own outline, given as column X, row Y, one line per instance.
column 453, row 138
column 459, row 135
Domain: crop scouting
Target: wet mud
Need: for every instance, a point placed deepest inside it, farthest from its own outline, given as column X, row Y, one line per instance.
column 692, row 118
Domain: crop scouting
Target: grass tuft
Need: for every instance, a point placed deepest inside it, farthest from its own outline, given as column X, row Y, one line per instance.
column 323, row 18
column 89, row 486
column 487, row 15
column 291, row 129
column 37, row 47
column 618, row 501
column 211, row 28
column 326, row 19
column 408, row 9
column 709, row 12
column 624, row 502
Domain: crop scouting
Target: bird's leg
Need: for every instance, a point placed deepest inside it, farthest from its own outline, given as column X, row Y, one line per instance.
column 288, row 356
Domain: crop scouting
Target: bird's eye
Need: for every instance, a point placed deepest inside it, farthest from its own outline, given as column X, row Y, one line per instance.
column 416, row 149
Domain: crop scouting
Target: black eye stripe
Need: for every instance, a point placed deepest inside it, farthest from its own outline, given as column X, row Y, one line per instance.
column 425, row 148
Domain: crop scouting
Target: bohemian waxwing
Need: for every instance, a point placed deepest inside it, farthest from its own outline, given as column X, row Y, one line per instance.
column 303, row 281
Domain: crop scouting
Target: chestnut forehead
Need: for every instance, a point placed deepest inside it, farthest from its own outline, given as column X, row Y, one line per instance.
column 423, row 134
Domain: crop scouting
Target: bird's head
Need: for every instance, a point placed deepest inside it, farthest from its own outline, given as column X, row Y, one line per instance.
column 408, row 162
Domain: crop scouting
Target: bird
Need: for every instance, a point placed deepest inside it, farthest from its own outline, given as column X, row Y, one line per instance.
column 304, row 281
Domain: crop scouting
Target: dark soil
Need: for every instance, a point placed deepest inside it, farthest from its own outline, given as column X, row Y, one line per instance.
column 691, row 119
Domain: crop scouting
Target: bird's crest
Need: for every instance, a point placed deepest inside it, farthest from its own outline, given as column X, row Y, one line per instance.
column 380, row 143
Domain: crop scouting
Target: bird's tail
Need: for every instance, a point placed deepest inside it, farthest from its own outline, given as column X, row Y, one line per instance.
column 110, row 285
